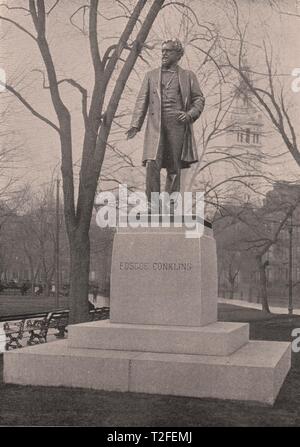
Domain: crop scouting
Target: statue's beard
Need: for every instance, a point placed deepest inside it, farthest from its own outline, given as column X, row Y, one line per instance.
column 168, row 64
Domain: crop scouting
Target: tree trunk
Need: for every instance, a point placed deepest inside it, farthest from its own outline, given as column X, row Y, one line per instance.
column 31, row 278
column 263, row 285
column 231, row 279
column 47, row 289
column 79, row 277
column 231, row 292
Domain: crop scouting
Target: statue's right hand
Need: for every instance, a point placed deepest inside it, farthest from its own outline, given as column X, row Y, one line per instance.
column 131, row 133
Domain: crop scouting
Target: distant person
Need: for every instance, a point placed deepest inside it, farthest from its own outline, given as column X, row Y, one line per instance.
column 24, row 288
column 66, row 290
column 39, row 290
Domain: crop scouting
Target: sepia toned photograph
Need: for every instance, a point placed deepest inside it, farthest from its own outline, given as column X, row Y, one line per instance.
column 149, row 216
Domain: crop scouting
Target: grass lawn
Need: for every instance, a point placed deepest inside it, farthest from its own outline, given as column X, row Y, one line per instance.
column 21, row 405
column 18, row 304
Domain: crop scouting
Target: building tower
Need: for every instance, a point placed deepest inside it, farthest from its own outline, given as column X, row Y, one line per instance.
column 245, row 130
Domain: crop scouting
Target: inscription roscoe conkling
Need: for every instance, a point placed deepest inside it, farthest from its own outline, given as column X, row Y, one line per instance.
column 157, row 266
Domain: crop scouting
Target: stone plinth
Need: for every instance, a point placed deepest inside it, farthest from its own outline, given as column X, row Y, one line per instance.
column 159, row 276
column 163, row 336
column 254, row 372
column 218, row 338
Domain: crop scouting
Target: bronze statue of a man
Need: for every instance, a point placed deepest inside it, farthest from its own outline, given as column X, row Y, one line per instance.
column 174, row 100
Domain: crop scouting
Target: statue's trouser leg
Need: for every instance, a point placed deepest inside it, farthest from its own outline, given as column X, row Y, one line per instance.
column 174, row 135
column 173, row 181
column 172, row 187
column 153, row 168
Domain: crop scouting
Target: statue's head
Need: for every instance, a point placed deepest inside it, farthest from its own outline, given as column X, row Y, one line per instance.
column 172, row 51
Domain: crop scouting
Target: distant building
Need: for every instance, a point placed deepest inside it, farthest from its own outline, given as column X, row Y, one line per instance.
column 278, row 255
column 245, row 121
column 237, row 149
column 245, row 133
column 239, row 277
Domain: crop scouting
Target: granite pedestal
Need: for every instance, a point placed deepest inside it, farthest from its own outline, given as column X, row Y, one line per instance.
column 163, row 336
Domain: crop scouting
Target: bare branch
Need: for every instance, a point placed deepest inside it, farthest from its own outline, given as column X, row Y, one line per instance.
column 21, row 8
column 83, row 92
column 29, row 107
column 287, row 117
column 183, row 5
column 114, row 17
column 93, row 37
column 20, row 27
column 74, row 84
column 84, row 7
column 238, row 179
column 125, row 8
column 124, row 38
column 52, row 7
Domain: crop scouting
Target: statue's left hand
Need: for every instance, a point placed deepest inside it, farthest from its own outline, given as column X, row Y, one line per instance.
column 183, row 117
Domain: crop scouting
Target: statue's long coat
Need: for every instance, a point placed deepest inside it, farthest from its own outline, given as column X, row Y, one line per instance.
column 149, row 99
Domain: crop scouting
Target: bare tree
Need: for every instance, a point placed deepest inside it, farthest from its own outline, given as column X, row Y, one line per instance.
column 243, row 168
column 266, row 84
column 97, row 116
column 253, row 231
column 36, row 234
column 230, row 266
column 271, row 94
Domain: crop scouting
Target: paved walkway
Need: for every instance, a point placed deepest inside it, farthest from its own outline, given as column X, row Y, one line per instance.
column 242, row 303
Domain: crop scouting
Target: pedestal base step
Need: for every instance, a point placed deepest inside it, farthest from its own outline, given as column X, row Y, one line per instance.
column 253, row 373
column 220, row 338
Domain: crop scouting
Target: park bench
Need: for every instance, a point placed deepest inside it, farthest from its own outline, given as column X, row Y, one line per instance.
column 100, row 313
column 35, row 327
column 59, row 320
